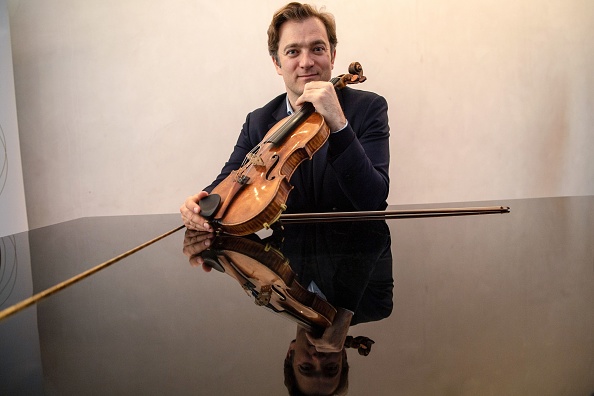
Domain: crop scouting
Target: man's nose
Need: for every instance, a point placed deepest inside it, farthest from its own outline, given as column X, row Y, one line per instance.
column 319, row 356
column 306, row 60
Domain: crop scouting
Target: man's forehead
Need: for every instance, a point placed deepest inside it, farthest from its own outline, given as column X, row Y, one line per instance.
column 310, row 31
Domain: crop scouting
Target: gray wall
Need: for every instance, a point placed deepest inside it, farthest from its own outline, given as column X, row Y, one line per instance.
column 13, row 212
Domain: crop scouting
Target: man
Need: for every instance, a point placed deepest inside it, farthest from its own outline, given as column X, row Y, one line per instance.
column 351, row 171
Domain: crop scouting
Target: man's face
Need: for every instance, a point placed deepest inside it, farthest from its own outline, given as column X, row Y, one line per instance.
column 315, row 372
column 304, row 54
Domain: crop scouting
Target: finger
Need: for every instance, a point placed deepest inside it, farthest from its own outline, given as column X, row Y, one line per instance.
column 200, row 223
column 186, row 215
column 202, row 238
column 191, row 204
column 190, row 210
column 198, row 261
column 196, row 222
column 195, row 249
column 191, row 236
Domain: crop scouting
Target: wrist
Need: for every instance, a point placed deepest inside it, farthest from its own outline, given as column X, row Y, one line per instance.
column 344, row 125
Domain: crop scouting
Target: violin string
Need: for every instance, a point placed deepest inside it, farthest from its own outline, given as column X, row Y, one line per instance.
column 249, row 154
column 283, row 130
column 286, row 127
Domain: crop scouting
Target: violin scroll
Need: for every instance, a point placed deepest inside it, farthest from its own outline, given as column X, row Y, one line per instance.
column 354, row 76
column 360, row 343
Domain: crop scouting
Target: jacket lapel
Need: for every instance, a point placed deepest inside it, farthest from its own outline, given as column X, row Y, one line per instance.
column 279, row 113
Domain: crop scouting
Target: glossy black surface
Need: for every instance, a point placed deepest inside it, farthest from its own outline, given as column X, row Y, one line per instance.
column 483, row 304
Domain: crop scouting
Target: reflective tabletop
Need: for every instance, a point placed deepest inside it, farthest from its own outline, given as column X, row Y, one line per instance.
column 472, row 304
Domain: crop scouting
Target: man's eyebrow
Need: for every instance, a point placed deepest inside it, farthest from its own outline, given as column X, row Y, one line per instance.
column 318, row 42
column 310, row 44
column 290, row 46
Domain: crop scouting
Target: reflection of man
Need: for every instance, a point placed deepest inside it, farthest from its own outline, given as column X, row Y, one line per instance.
column 348, row 173
column 350, row 265
column 310, row 372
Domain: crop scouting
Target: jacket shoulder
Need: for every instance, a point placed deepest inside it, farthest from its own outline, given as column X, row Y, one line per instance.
column 266, row 112
column 354, row 95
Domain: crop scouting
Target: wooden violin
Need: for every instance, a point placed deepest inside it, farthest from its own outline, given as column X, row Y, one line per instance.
column 265, row 274
column 254, row 196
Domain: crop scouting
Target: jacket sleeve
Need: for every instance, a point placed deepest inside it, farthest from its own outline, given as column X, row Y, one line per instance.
column 242, row 147
column 360, row 154
column 256, row 125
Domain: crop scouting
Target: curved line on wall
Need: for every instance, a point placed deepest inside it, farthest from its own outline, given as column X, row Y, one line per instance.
column 8, row 267
column 4, row 160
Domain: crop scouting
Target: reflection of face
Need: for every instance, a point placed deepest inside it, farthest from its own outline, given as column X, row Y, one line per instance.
column 315, row 372
column 304, row 54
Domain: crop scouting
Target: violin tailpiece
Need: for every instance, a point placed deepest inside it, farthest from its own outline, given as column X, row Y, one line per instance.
column 239, row 183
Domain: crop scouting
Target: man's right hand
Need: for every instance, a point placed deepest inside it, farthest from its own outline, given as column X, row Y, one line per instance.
column 196, row 242
column 190, row 213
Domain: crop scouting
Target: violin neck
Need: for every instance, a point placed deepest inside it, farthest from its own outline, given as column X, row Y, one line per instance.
column 295, row 120
column 292, row 123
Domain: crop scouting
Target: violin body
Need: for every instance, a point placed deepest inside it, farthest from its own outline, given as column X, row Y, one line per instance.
column 265, row 274
column 260, row 202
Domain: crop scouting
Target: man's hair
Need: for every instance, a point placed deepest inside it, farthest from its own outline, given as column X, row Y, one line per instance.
column 298, row 12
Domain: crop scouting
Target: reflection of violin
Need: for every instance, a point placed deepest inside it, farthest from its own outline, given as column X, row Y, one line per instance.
column 254, row 196
column 361, row 343
column 265, row 274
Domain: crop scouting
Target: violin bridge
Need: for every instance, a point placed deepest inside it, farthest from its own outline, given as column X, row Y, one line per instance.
column 255, row 159
column 264, row 295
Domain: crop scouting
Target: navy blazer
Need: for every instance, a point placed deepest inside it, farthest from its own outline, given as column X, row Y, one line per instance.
column 350, row 172
column 350, row 262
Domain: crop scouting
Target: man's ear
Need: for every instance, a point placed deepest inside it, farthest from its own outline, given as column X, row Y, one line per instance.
column 277, row 65
column 332, row 58
column 291, row 348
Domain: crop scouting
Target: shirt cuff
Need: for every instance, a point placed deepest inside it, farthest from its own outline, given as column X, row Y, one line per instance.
column 343, row 128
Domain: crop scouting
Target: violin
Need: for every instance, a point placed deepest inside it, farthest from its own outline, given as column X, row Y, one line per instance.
column 254, row 196
column 266, row 275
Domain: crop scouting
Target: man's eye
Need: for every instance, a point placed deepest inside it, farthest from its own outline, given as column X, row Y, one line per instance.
column 305, row 368
column 332, row 369
column 319, row 49
column 291, row 52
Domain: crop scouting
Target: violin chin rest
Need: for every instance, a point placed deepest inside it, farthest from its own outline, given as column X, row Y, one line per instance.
column 209, row 205
column 211, row 259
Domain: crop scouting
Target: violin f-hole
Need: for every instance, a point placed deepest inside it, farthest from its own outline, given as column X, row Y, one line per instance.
column 275, row 159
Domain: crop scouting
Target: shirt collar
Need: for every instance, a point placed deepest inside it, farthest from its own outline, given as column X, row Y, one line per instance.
column 289, row 108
